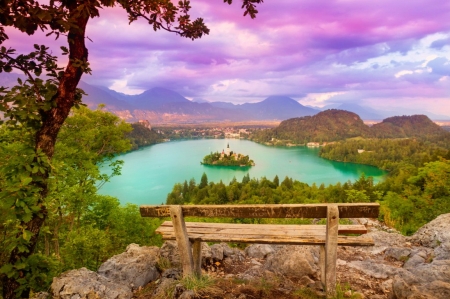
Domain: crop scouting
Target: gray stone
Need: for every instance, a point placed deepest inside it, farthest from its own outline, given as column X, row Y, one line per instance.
column 135, row 267
column 294, row 261
column 377, row 270
column 259, row 251
column 227, row 251
column 414, row 262
column 83, row 283
column 436, row 235
column 217, row 252
column 437, row 270
column 169, row 251
column 398, row 253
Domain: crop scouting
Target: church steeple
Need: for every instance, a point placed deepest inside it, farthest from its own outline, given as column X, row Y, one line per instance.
column 228, row 149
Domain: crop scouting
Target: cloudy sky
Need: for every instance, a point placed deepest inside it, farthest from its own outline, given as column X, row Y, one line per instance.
column 382, row 53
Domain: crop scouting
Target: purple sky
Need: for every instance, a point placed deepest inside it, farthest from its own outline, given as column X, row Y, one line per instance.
column 383, row 53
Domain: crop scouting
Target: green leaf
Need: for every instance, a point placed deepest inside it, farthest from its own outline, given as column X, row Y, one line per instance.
column 26, row 181
column 27, row 235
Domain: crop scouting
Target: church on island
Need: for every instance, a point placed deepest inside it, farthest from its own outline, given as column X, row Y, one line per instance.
column 227, row 158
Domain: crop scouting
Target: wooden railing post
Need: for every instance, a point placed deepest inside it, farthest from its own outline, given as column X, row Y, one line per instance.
column 184, row 246
column 322, row 265
column 331, row 250
column 197, row 248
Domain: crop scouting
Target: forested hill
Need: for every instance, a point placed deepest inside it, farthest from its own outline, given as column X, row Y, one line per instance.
column 406, row 126
column 329, row 125
column 334, row 125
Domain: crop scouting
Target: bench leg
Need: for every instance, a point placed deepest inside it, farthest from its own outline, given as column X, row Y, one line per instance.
column 197, row 252
column 184, row 246
column 331, row 250
column 322, row 265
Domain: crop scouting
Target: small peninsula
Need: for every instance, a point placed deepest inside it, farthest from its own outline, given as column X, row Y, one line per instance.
column 227, row 158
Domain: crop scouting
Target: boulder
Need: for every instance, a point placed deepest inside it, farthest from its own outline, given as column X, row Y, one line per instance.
column 217, row 252
column 259, row 251
column 294, row 261
column 169, row 251
column 83, row 284
column 135, row 267
column 436, row 235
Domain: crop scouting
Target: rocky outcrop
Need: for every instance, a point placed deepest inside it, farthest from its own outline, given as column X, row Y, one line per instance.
column 115, row 279
column 84, row 283
column 135, row 267
column 397, row 267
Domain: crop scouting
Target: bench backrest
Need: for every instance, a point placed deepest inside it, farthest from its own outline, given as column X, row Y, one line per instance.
column 346, row 210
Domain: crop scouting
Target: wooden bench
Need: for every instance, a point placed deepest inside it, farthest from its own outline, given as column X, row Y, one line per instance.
column 328, row 236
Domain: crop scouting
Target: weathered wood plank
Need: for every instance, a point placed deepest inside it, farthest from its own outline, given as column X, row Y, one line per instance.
column 197, row 255
column 331, row 250
column 322, row 254
column 262, row 239
column 269, row 229
column 184, row 246
column 350, row 210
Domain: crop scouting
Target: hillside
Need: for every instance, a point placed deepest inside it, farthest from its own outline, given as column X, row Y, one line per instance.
column 326, row 126
column 406, row 126
column 334, row 125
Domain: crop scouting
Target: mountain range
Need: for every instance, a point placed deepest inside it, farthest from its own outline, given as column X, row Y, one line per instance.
column 160, row 105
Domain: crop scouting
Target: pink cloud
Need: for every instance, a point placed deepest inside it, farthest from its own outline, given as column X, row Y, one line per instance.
column 293, row 47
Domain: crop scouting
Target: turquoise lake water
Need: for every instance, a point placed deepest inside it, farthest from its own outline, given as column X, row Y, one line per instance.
column 149, row 174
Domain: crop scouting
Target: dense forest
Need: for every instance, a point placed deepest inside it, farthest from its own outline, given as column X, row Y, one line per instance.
column 335, row 125
column 142, row 136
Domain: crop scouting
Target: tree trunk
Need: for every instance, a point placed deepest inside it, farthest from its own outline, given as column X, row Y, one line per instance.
column 52, row 121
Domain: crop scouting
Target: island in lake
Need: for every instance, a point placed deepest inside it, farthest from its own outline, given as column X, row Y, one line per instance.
column 227, row 158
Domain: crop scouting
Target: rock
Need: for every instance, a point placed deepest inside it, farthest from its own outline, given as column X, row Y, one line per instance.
column 305, row 281
column 376, row 270
column 135, row 267
column 217, row 252
column 163, row 288
column 386, row 286
column 41, row 295
column 255, row 262
column 294, row 261
column 174, row 273
column 436, row 235
column 169, row 251
column 414, row 262
column 259, row 251
column 83, row 284
column 227, row 251
column 384, row 240
column 398, row 253
column 187, row 295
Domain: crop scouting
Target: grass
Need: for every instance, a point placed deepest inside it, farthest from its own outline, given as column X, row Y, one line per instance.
column 163, row 264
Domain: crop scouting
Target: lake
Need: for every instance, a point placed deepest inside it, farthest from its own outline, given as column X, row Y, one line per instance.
column 149, row 174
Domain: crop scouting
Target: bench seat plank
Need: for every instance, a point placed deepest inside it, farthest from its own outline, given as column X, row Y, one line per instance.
column 265, row 233
column 268, row 229
column 263, row 239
